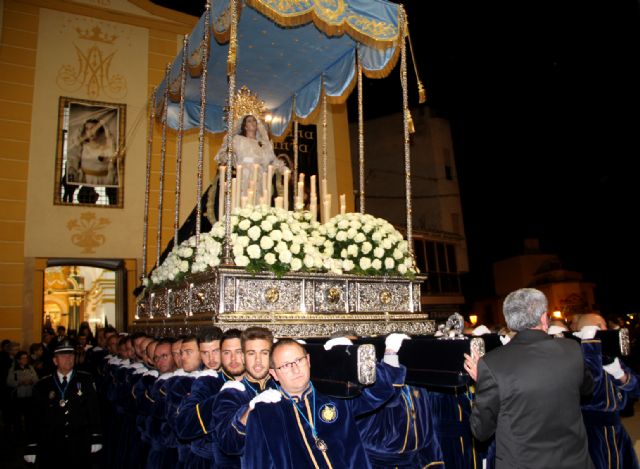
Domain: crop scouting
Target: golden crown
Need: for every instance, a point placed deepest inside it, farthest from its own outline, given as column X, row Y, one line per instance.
column 96, row 34
column 246, row 103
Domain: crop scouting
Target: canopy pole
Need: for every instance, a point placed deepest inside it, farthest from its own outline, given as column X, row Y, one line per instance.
column 406, row 117
column 183, row 84
column 326, row 204
column 295, row 159
column 360, row 136
column 231, row 73
column 147, row 183
column 203, row 105
column 163, row 158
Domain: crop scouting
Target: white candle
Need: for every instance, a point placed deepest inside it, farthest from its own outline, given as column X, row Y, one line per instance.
column 222, row 170
column 269, row 183
column 278, row 202
column 343, row 204
column 234, row 194
column 264, row 195
column 300, row 198
column 251, row 197
column 285, row 199
column 312, row 188
column 243, row 201
column 254, row 176
column 239, row 176
column 327, row 209
column 313, row 207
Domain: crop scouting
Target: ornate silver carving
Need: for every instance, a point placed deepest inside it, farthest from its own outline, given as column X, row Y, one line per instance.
column 625, row 343
column 385, row 297
column 367, row 364
column 477, row 346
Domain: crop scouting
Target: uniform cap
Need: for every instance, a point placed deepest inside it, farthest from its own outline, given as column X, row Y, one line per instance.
column 66, row 346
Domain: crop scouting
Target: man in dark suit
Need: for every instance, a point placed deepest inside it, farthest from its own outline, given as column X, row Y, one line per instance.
column 528, row 392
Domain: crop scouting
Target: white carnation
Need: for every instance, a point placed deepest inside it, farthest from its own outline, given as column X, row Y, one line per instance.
column 352, row 250
column 266, row 242
column 276, row 235
column 241, row 261
column 402, row 269
column 270, row 258
column 244, row 225
column 348, row 265
column 389, row 263
column 365, row 263
column 376, row 264
column 366, row 247
column 266, row 225
column 254, row 232
column 296, row 264
column 285, row 257
column 378, row 252
column 341, row 236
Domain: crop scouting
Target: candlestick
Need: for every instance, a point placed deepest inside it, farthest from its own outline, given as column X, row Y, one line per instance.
column 221, row 187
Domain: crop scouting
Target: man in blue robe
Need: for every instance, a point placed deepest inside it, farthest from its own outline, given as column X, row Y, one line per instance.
column 300, row 427
column 609, row 443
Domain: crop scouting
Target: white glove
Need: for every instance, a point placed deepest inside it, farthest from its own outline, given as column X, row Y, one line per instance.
column 393, row 341
column 438, row 334
column 554, row 330
column 587, row 332
column 269, row 396
column 95, row 448
column 505, row 339
column 301, row 341
column 481, row 330
column 30, row 458
column 329, row 344
column 614, row 369
column 153, row 373
column 237, row 385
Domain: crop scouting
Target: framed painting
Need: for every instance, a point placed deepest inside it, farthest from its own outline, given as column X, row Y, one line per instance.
column 90, row 153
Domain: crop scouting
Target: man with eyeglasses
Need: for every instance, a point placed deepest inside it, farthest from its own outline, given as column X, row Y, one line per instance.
column 237, row 398
column 160, row 455
column 179, row 386
column 300, row 427
column 193, row 421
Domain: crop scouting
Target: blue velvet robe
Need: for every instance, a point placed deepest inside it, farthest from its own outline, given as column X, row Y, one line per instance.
column 451, row 410
column 161, row 456
column 610, row 446
column 401, row 433
column 178, row 387
column 194, row 421
column 229, row 406
column 279, row 438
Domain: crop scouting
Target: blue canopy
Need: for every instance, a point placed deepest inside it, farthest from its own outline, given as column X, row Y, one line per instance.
column 288, row 52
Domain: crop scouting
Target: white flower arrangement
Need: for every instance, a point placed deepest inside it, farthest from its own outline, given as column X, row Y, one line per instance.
column 365, row 245
column 272, row 239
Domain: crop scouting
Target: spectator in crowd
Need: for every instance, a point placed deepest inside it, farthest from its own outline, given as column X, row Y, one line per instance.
column 36, row 358
column 20, row 380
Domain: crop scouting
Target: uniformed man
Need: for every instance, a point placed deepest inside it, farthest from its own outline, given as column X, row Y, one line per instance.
column 67, row 415
column 299, row 427
column 231, row 407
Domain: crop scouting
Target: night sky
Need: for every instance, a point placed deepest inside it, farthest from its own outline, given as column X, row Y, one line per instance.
column 544, row 103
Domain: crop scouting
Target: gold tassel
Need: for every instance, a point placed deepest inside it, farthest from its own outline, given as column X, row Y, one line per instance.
column 412, row 128
column 422, row 93
column 231, row 59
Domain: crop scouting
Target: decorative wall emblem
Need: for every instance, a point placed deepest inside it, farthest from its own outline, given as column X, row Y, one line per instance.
column 86, row 231
column 92, row 71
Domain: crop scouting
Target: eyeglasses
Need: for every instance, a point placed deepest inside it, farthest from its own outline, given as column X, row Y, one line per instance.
column 164, row 356
column 289, row 366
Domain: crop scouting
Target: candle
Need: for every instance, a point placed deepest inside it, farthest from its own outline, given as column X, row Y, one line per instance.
column 300, row 198
column 243, row 201
column 234, row 193
column 312, row 188
column 264, row 195
column 327, row 209
column 254, row 176
column 343, row 204
column 269, row 183
column 278, row 202
column 285, row 200
column 313, row 207
column 251, row 197
column 239, row 176
column 221, row 190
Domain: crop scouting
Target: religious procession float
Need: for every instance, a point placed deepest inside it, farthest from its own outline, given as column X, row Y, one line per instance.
column 273, row 251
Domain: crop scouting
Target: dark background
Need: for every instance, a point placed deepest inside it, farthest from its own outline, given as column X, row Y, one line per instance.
column 543, row 99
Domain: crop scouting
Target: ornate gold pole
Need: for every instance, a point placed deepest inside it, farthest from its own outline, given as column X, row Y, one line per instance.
column 231, row 72
column 406, row 116
column 295, row 159
column 360, row 136
column 324, row 134
column 163, row 157
column 203, row 105
column 147, row 184
column 183, row 84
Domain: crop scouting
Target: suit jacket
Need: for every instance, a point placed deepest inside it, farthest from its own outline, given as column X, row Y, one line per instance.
column 528, row 394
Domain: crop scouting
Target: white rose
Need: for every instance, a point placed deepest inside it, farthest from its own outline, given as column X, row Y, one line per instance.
column 397, row 255
column 253, row 251
column 347, row 265
column 255, row 215
column 243, row 241
column 238, row 250
column 376, row 236
column 387, row 243
column 365, row 263
column 281, row 246
column 378, row 252
column 367, row 227
column 343, row 254
column 287, row 235
column 270, row 258
column 276, row 235
column 285, row 257
column 296, row 264
column 352, row 232
column 266, row 242
column 343, row 224
column 244, row 225
column 308, row 261
column 341, row 236
column 359, row 238
column 295, row 248
column 241, row 261
column 402, row 269
column 218, row 230
column 366, row 247
column 389, row 263
column 266, row 225
column 376, row 264
column 254, row 232
column 352, row 250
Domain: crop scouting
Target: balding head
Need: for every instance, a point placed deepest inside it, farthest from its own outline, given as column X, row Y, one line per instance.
column 592, row 319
